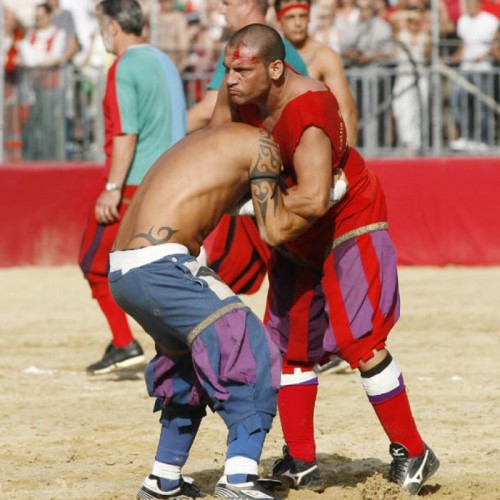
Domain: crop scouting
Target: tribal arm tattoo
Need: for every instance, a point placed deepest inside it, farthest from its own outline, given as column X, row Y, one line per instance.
column 155, row 237
column 265, row 174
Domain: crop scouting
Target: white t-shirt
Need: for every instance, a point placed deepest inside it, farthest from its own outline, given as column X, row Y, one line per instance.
column 477, row 34
column 38, row 46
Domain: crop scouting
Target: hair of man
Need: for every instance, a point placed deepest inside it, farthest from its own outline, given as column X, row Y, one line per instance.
column 262, row 5
column 46, row 7
column 127, row 13
column 267, row 40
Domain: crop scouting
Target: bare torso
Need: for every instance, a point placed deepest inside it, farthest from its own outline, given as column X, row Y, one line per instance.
column 190, row 187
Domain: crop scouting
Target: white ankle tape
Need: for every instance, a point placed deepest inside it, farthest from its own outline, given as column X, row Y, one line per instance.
column 168, row 471
column 240, row 465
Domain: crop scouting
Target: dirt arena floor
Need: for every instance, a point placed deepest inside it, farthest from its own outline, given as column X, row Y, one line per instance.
column 65, row 435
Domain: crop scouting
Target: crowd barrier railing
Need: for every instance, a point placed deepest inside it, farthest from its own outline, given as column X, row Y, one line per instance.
column 55, row 113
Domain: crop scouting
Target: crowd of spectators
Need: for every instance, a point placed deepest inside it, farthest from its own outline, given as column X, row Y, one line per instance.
column 64, row 34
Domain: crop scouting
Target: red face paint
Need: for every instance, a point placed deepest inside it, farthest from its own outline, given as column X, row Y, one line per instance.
column 242, row 55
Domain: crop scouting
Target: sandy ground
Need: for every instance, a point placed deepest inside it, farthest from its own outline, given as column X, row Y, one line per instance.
column 65, row 435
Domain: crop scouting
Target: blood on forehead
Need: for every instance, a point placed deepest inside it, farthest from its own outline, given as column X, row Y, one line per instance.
column 241, row 55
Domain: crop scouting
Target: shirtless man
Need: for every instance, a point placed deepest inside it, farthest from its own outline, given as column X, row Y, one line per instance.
column 332, row 288
column 322, row 62
column 211, row 348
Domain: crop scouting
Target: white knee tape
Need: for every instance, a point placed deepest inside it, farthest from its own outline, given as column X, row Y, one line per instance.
column 385, row 382
column 298, row 377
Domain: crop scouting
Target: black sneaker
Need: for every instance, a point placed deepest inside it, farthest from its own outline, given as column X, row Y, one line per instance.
column 258, row 488
column 151, row 488
column 297, row 473
column 333, row 365
column 411, row 473
column 116, row 358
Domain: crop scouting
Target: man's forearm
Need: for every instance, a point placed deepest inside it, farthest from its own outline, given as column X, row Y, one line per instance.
column 199, row 114
column 122, row 156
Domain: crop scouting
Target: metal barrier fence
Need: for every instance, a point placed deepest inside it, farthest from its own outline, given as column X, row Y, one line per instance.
column 55, row 114
column 52, row 113
column 404, row 112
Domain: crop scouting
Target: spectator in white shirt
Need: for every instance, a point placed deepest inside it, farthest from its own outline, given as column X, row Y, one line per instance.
column 44, row 44
column 43, row 49
column 479, row 34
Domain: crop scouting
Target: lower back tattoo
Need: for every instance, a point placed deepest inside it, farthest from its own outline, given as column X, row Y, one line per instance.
column 157, row 236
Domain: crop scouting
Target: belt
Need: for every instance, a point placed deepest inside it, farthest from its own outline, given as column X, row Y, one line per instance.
column 376, row 226
column 125, row 260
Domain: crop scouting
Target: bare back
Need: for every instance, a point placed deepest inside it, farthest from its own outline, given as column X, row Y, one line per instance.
column 191, row 186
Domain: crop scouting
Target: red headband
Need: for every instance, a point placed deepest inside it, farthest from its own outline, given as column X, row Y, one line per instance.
column 284, row 10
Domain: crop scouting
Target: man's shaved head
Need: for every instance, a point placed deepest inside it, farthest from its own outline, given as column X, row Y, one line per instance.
column 265, row 39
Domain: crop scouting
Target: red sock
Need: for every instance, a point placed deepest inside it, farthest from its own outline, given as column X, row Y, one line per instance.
column 117, row 320
column 397, row 420
column 296, row 410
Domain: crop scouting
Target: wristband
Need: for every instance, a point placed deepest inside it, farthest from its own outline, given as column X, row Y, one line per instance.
column 112, row 186
column 339, row 190
column 246, row 208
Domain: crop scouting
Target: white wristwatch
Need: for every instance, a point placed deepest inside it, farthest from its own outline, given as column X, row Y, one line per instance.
column 112, row 186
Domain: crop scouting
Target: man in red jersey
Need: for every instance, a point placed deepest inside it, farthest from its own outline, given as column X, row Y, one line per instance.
column 333, row 285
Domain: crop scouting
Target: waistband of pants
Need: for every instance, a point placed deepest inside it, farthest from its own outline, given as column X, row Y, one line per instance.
column 125, row 260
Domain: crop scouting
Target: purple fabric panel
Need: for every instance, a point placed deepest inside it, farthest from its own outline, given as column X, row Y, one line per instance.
column 282, row 278
column 313, row 381
column 163, row 383
column 318, row 325
column 275, row 360
column 204, row 370
column 389, row 297
column 354, row 288
column 237, row 362
column 388, row 395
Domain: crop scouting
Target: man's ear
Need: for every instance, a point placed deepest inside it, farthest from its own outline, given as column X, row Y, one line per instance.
column 276, row 69
column 249, row 5
column 113, row 27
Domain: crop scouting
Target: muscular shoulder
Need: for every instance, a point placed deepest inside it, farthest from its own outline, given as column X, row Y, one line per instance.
column 326, row 62
column 242, row 134
column 303, row 84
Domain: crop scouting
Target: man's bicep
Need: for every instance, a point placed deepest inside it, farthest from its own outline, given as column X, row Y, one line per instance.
column 200, row 114
column 313, row 161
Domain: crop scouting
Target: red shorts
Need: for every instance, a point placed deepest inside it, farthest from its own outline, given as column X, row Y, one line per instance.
column 348, row 308
column 236, row 252
column 96, row 244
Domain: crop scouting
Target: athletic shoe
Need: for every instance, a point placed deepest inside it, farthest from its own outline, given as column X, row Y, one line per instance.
column 258, row 488
column 297, row 473
column 411, row 473
column 151, row 488
column 333, row 365
column 116, row 358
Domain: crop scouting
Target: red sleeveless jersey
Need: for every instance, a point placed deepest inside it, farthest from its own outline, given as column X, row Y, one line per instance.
column 364, row 202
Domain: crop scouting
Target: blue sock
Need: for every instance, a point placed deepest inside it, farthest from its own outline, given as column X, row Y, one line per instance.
column 176, row 437
column 246, row 444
